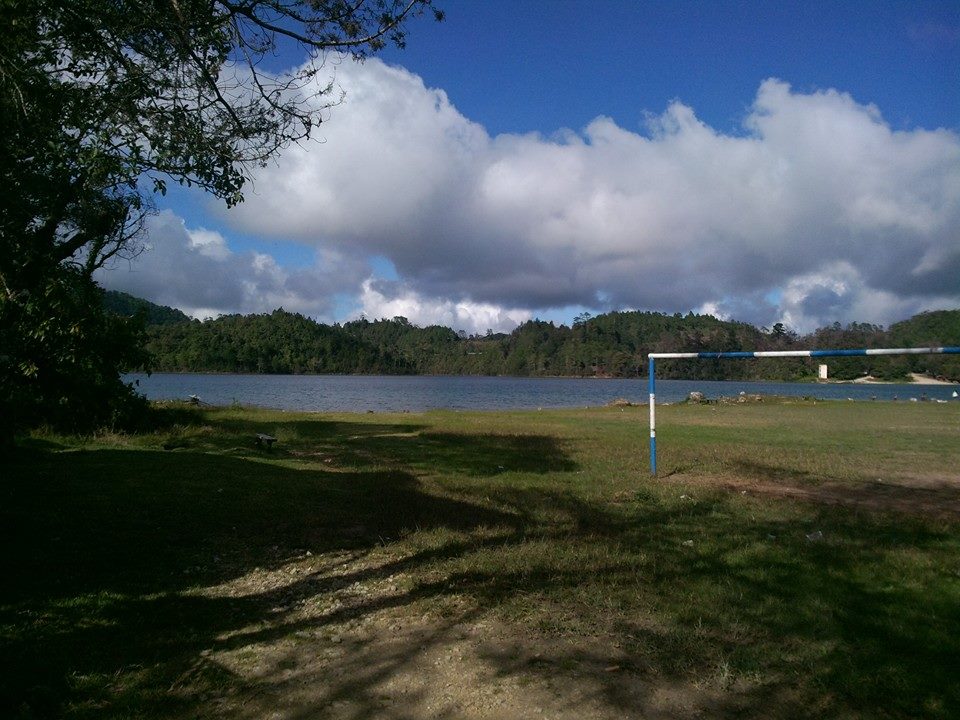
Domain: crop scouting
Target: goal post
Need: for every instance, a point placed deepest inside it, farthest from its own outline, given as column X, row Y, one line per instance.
column 653, row 357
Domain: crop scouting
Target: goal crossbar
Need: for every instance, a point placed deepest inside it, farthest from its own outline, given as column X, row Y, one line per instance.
column 652, row 357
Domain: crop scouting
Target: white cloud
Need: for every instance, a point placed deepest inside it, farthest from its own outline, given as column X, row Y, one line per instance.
column 196, row 271
column 675, row 217
column 380, row 299
column 839, row 291
column 816, row 212
column 209, row 243
column 715, row 309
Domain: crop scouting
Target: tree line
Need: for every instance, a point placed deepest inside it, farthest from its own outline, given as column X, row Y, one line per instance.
column 609, row 345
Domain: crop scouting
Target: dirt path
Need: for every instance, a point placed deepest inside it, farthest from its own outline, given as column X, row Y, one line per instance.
column 931, row 496
column 346, row 648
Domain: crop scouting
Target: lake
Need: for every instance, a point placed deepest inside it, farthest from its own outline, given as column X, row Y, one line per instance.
column 380, row 393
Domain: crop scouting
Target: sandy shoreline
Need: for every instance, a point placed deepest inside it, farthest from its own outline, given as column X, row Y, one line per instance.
column 916, row 378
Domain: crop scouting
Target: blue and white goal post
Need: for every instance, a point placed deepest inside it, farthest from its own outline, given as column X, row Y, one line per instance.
column 652, row 357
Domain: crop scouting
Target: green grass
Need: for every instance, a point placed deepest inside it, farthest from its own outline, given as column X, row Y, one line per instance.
column 548, row 520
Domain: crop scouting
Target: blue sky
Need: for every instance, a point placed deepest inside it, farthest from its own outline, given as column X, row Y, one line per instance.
column 763, row 161
column 538, row 66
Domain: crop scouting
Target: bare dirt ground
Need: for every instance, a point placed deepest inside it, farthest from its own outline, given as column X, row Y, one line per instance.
column 916, row 378
column 348, row 643
column 352, row 639
column 928, row 495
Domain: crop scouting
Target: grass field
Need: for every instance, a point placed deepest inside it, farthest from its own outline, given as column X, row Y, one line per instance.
column 793, row 559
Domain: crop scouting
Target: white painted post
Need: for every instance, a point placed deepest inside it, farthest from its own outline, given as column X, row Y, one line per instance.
column 653, row 421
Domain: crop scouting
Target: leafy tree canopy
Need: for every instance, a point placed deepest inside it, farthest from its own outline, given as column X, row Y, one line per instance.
column 103, row 102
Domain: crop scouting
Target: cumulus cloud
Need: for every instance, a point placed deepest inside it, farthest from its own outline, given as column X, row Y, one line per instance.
column 672, row 216
column 817, row 211
column 839, row 291
column 386, row 299
column 196, row 271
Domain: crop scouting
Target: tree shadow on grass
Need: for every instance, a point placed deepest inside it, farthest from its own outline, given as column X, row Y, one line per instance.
column 833, row 643
column 406, row 446
column 106, row 551
column 99, row 547
column 147, row 521
column 477, row 455
column 758, row 470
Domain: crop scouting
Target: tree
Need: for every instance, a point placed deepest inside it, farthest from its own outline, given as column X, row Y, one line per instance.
column 582, row 319
column 103, row 102
column 63, row 369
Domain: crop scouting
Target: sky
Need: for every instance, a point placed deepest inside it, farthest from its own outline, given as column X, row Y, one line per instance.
column 794, row 162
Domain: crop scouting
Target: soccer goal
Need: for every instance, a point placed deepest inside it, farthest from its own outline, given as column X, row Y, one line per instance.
column 653, row 357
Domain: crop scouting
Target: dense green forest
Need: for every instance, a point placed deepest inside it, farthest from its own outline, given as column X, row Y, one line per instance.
column 120, row 303
column 610, row 345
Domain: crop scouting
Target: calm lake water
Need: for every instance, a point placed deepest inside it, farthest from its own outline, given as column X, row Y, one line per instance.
column 392, row 393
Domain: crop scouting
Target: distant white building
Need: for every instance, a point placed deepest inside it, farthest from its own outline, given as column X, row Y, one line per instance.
column 822, row 373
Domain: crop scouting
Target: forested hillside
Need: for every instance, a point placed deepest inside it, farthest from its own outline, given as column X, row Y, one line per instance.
column 120, row 303
column 280, row 342
column 610, row 345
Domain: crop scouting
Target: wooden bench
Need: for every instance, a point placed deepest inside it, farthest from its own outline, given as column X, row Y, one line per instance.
column 267, row 440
